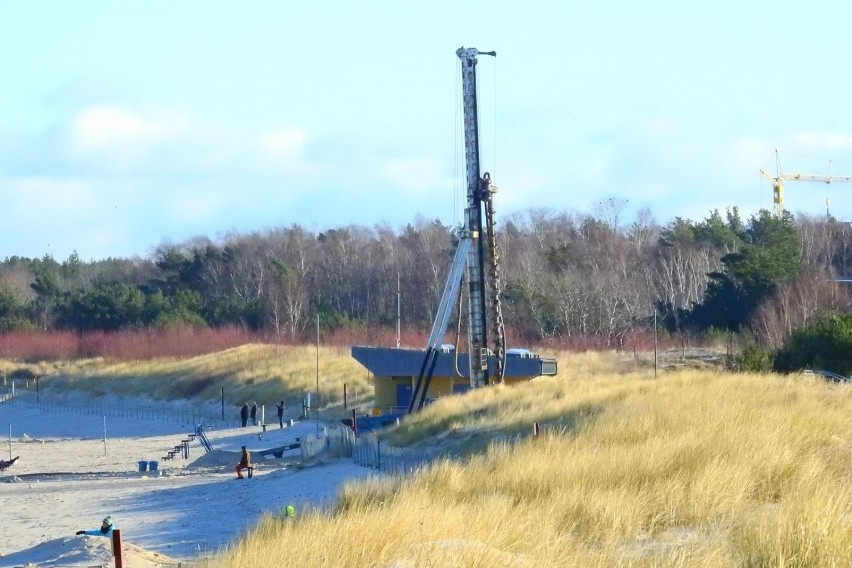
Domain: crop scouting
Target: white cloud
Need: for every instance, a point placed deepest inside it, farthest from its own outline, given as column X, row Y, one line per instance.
column 285, row 145
column 113, row 139
column 103, row 128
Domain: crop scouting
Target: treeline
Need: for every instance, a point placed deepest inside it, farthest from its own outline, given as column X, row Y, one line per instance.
column 564, row 274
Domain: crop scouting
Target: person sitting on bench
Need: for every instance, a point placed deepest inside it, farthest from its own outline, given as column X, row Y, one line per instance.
column 245, row 463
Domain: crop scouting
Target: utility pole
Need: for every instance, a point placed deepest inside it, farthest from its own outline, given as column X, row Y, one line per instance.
column 317, row 401
column 655, row 342
column 398, row 310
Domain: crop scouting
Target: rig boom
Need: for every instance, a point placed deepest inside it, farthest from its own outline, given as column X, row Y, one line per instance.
column 479, row 194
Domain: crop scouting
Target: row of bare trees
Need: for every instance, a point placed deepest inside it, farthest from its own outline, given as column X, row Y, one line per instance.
column 565, row 274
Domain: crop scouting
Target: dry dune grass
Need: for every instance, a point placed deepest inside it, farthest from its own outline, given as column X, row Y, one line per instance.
column 695, row 468
column 249, row 372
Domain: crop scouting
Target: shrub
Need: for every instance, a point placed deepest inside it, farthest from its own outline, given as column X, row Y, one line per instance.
column 753, row 358
column 826, row 344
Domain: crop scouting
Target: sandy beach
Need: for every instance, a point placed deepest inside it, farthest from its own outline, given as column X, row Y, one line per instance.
column 69, row 476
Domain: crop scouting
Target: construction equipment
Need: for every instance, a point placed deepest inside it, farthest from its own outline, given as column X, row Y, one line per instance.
column 473, row 252
column 779, row 178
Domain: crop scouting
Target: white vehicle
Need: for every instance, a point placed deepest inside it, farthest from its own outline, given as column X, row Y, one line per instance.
column 520, row 352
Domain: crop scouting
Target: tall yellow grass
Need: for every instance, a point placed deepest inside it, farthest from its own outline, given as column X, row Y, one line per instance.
column 695, row 468
column 251, row 372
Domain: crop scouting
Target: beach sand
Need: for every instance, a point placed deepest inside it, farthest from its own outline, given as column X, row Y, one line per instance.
column 68, row 478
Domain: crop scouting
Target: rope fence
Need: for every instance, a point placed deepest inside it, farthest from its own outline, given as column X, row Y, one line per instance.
column 184, row 412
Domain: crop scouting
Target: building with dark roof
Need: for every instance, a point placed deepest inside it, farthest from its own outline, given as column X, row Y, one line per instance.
column 395, row 372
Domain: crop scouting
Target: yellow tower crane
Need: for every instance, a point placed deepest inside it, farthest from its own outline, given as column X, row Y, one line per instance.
column 779, row 178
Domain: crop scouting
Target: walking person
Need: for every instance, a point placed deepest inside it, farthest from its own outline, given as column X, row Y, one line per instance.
column 280, row 407
column 244, row 414
column 254, row 413
column 245, row 462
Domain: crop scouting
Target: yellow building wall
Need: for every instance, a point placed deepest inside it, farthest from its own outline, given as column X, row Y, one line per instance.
column 386, row 388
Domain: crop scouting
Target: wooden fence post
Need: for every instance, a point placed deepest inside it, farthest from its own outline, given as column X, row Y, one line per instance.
column 116, row 548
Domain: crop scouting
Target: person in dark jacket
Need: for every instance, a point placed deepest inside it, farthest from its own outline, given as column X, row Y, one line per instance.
column 280, row 407
column 8, row 463
column 254, row 413
column 244, row 414
column 245, row 462
column 106, row 528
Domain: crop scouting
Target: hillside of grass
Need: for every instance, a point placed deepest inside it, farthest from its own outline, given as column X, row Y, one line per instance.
column 250, row 372
column 695, row 467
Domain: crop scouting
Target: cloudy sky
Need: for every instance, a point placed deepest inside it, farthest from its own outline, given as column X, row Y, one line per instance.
column 127, row 125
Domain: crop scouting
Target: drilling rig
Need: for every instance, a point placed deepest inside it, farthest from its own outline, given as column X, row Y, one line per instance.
column 403, row 377
column 477, row 247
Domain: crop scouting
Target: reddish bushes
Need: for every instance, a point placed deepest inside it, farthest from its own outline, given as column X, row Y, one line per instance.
column 188, row 342
column 123, row 345
column 36, row 346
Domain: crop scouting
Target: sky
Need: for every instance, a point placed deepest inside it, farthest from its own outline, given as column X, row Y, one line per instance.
column 126, row 126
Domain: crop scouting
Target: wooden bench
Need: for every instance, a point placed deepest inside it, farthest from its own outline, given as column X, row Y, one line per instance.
column 279, row 451
column 250, row 470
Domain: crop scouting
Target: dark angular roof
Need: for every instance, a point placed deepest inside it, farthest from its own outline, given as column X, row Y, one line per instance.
column 389, row 361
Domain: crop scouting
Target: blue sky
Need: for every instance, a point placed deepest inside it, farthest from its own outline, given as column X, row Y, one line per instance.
column 124, row 126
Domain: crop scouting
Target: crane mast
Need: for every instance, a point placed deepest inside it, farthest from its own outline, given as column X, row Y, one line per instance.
column 479, row 193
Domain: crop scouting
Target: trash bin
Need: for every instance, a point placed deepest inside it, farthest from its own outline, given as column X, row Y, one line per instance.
column 143, row 466
column 152, row 466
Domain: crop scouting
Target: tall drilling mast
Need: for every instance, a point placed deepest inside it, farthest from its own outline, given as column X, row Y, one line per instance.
column 477, row 247
column 478, row 190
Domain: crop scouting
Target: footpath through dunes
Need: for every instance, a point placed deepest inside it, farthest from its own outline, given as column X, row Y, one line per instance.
column 186, row 509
